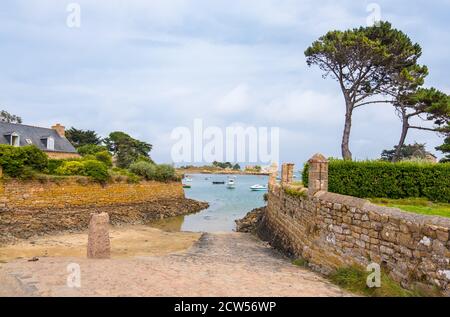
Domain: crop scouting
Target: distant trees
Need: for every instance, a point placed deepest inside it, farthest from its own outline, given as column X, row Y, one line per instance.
column 236, row 167
column 407, row 151
column 127, row 149
column 82, row 137
column 5, row 116
column 222, row 164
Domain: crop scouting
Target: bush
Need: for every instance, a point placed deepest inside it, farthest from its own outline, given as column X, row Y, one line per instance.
column 91, row 149
column 69, row 168
column 53, row 165
column 12, row 160
column 149, row 171
column 377, row 179
column 144, row 169
column 164, row 173
column 97, row 170
column 105, row 157
column 35, row 158
column 16, row 161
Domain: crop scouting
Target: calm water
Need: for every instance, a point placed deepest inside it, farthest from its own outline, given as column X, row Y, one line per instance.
column 226, row 205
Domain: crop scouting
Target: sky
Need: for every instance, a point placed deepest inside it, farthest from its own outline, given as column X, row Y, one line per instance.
column 148, row 67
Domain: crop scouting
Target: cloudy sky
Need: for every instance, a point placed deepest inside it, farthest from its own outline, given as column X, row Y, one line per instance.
column 147, row 67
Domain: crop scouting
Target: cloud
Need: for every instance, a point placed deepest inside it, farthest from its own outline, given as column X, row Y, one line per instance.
column 234, row 101
column 146, row 67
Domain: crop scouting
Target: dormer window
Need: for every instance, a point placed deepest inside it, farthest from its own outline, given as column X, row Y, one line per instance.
column 49, row 143
column 13, row 139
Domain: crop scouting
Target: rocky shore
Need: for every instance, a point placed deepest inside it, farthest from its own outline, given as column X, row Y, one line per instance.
column 23, row 224
column 250, row 223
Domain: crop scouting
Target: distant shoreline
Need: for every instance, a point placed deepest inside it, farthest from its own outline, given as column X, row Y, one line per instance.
column 228, row 172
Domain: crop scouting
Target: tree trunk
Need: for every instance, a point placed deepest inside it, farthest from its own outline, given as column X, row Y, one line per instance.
column 346, row 154
column 405, row 127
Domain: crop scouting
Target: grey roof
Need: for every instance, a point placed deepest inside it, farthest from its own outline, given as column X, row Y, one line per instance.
column 35, row 134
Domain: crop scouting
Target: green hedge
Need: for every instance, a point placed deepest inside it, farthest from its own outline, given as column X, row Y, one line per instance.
column 370, row 179
column 22, row 161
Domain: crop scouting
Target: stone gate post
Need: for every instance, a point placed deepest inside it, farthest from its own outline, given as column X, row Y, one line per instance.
column 273, row 174
column 287, row 173
column 318, row 174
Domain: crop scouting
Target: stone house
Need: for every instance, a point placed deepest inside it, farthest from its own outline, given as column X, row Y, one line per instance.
column 52, row 141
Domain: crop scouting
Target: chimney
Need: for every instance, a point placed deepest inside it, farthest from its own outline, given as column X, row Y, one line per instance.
column 60, row 129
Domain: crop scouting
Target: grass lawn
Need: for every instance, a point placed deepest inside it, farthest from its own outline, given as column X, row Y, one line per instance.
column 416, row 205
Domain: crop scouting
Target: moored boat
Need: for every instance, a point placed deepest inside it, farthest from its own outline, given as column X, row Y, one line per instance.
column 231, row 184
column 258, row 187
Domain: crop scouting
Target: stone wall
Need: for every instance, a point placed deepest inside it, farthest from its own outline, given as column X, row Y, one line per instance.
column 40, row 207
column 332, row 231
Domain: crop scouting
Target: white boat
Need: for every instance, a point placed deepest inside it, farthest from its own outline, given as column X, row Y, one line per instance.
column 231, row 184
column 258, row 187
column 188, row 180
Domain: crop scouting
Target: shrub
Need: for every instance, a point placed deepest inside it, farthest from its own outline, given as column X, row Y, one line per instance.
column 68, row 168
column 35, row 158
column 91, row 149
column 53, row 164
column 144, row 169
column 16, row 161
column 371, row 179
column 12, row 160
column 105, row 157
column 97, row 170
column 149, row 171
column 164, row 173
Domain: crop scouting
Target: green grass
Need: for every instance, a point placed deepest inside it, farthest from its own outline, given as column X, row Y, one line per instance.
column 354, row 279
column 300, row 262
column 415, row 205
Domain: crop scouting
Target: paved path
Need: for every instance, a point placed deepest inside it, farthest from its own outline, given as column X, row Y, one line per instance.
column 219, row 264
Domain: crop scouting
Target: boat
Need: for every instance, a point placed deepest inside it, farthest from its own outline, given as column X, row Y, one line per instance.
column 218, row 182
column 258, row 187
column 188, row 180
column 231, row 184
column 186, row 186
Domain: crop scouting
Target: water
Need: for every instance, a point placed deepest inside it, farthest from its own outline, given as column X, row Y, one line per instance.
column 225, row 205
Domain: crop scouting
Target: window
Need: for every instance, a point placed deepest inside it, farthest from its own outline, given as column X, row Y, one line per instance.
column 14, row 139
column 49, row 143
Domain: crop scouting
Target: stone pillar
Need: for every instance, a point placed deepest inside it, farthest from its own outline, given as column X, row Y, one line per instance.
column 273, row 174
column 318, row 174
column 287, row 173
column 99, row 246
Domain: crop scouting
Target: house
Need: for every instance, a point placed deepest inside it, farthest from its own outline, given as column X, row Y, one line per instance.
column 52, row 141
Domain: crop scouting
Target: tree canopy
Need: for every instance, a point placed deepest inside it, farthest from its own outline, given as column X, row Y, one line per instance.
column 127, row 149
column 365, row 62
column 82, row 137
column 407, row 151
column 5, row 116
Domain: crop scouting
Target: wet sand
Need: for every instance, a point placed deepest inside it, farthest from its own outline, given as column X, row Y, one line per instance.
column 126, row 241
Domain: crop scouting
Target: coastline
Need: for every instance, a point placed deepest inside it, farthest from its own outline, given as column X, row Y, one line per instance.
column 227, row 172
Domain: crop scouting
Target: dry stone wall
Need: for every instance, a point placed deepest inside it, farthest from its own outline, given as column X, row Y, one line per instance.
column 332, row 231
column 30, row 208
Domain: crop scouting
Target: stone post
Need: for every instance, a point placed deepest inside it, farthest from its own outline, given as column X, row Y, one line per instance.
column 318, row 174
column 99, row 246
column 287, row 173
column 273, row 174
